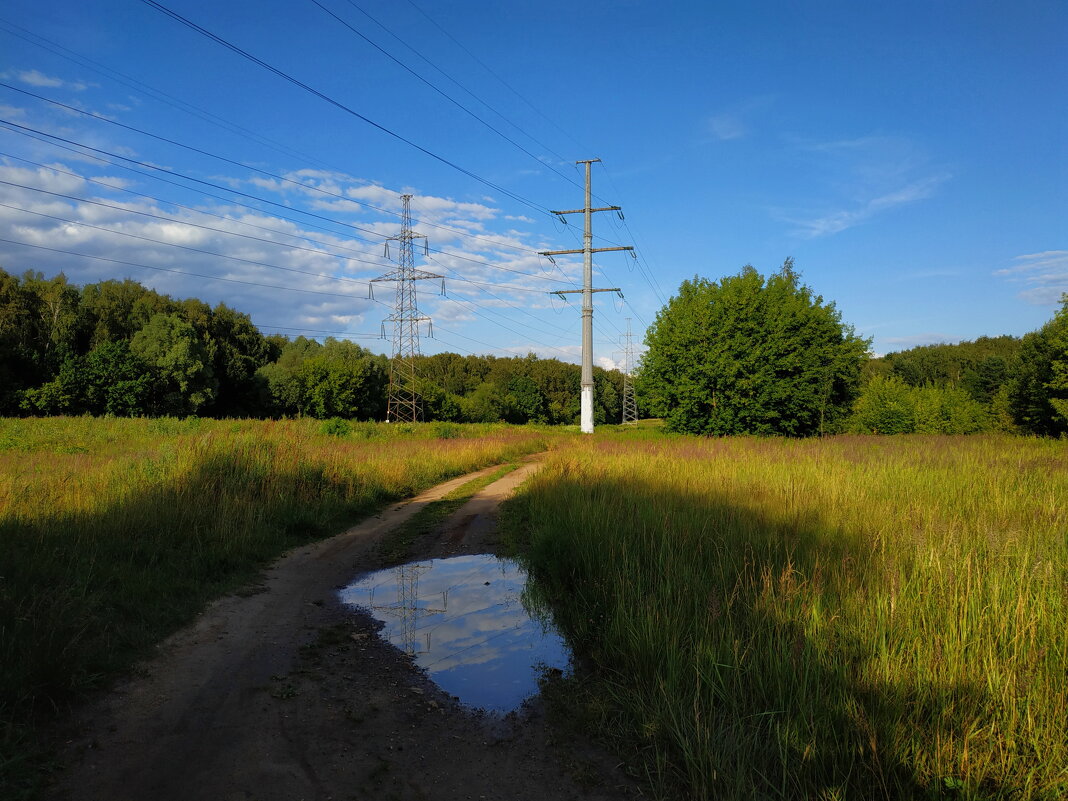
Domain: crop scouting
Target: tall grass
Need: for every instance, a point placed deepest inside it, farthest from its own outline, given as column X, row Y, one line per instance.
column 855, row 617
column 115, row 532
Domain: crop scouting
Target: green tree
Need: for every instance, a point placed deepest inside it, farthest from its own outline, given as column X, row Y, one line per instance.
column 335, row 379
column 114, row 381
column 170, row 346
column 240, row 350
column 282, row 388
column 1039, row 393
column 749, row 356
column 884, row 407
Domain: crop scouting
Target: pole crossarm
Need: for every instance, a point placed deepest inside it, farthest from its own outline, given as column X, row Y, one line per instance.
column 583, row 211
column 582, row 250
column 615, row 289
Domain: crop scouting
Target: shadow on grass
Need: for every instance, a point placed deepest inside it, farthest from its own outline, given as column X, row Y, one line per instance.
column 710, row 648
column 82, row 596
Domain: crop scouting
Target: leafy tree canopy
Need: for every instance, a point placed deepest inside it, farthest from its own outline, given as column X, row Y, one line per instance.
column 1039, row 391
column 746, row 355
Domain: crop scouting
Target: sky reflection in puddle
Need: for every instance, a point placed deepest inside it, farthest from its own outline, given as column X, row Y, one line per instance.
column 462, row 620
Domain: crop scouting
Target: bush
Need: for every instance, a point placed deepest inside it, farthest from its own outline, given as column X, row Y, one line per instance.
column 336, row 427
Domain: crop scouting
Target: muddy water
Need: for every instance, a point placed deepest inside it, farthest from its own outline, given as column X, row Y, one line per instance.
column 463, row 621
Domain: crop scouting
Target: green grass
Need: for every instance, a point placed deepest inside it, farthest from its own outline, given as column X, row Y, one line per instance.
column 398, row 544
column 117, row 532
column 847, row 618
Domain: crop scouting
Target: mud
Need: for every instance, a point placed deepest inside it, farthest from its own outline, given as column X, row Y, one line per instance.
column 283, row 693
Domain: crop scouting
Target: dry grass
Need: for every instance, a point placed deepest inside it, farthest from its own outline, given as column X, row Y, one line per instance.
column 855, row 617
column 116, row 532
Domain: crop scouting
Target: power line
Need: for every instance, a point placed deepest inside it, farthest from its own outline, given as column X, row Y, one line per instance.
column 441, row 92
column 153, row 92
column 457, row 83
column 27, row 130
column 235, row 163
column 354, row 334
column 336, row 103
column 507, row 85
column 181, row 247
column 179, row 272
column 185, row 222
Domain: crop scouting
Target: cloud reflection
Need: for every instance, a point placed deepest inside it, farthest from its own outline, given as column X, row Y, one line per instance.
column 463, row 621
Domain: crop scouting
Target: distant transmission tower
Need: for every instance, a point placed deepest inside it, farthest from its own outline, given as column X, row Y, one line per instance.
column 630, row 408
column 404, row 405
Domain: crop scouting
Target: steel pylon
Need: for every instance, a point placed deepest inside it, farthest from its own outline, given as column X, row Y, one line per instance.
column 404, row 402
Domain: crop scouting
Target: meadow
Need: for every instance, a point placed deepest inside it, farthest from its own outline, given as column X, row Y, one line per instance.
column 117, row 532
column 852, row 617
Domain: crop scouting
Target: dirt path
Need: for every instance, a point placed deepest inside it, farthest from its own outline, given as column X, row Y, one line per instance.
column 284, row 694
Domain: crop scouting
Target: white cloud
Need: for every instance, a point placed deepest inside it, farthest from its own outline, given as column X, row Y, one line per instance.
column 477, row 249
column 40, row 80
column 736, row 122
column 1045, row 275
column 837, row 221
column 727, row 126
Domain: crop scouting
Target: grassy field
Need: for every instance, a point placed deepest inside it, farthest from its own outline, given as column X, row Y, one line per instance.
column 116, row 532
column 847, row 618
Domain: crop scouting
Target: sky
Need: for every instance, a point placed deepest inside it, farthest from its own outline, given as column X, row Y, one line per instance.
column 909, row 156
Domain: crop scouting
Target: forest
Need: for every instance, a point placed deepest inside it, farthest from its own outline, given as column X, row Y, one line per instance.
column 120, row 349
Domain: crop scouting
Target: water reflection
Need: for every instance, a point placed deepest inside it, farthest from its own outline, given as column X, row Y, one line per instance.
column 463, row 620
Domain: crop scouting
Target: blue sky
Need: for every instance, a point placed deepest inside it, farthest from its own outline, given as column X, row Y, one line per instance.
column 909, row 156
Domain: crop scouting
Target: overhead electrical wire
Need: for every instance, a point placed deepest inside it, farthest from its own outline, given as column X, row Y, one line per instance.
column 202, row 251
column 227, row 125
column 507, row 85
column 338, row 104
column 181, row 272
column 115, row 188
column 24, row 128
column 522, row 130
column 180, row 247
column 265, row 173
column 443, row 93
column 153, row 92
column 176, row 221
column 356, row 334
column 305, row 186
column 168, row 99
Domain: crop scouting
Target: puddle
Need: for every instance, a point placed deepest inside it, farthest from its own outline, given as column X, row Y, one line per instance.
column 463, row 621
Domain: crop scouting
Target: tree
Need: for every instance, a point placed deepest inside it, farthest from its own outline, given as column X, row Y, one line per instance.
column 336, row 379
column 170, row 346
column 1039, row 393
column 749, row 356
column 890, row 406
column 114, row 381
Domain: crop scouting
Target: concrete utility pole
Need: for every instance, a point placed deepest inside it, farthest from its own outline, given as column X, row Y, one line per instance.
column 587, row 291
column 630, row 408
column 404, row 405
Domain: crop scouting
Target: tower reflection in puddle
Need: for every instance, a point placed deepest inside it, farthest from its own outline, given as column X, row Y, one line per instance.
column 463, row 621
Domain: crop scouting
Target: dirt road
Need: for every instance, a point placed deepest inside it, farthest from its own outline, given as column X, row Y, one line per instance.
column 281, row 693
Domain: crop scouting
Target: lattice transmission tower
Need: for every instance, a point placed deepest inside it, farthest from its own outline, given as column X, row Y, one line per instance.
column 630, row 407
column 407, row 608
column 404, row 401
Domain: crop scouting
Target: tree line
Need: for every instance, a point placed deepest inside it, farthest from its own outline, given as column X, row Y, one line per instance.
column 750, row 354
column 118, row 348
column 746, row 354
